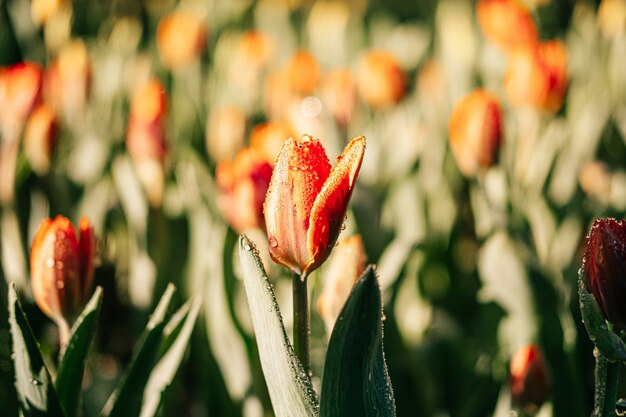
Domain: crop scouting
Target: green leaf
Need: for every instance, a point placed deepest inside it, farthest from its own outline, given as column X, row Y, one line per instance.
column 126, row 400
column 34, row 386
column 356, row 382
column 176, row 338
column 70, row 377
column 290, row 390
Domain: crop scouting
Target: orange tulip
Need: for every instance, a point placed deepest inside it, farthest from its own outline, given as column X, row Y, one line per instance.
column 243, row 185
column 475, row 132
column 302, row 72
column 180, row 39
column 507, row 23
column 537, row 76
column 40, row 138
column 379, row 79
column 61, row 267
column 268, row 139
column 20, row 86
column 339, row 93
column 307, row 201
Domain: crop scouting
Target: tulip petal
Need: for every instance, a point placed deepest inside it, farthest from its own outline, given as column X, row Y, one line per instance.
column 36, row 271
column 301, row 169
column 86, row 255
column 330, row 206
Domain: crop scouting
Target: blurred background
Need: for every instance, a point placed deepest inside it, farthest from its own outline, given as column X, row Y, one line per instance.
column 160, row 121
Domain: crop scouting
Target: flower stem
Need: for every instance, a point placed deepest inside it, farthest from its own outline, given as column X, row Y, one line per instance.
column 606, row 378
column 301, row 325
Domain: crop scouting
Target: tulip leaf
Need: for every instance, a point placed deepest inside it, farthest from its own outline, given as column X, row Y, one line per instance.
column 175, row 342
column 35, row 390
column 356, row 382
column 290, row 389
column 70, row 377
column 607, row 342
column 126, row 400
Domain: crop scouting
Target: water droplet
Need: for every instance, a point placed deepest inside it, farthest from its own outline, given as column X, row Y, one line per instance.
column 60, row 284
column 49, row 263
column 272, row 242
column 247, row 247
column 35, row 382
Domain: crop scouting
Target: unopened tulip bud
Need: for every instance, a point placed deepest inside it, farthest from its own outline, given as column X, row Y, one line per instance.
column 302, row 72
column 379, row 79
column 42, row 10
column 180, row 39
column 243, row 185
column 40, row 138
column 20, row 86
column 476, row 132
column 62, row 266
column 145, row 138
column 507, row 23
column 307, row 201
column 344, row 268
column 529, row 379
column 74, row 72
column 536, row 76
column 268, row 139
column 604, row 265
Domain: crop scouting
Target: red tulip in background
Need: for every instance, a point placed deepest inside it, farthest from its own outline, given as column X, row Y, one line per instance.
column 529, row 379
column 307, row 201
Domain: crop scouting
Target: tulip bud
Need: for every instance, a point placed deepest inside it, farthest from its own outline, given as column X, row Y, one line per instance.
column 612, row 18
column 180, row 39
column 605, row 268
column 380, row 80
column 145, row 138
column 268, row 138
column 20, row 85
column 307, row 201
column 302, row 72
column 475, row 132
column 243, row 185
column 536, row 76
column 507, row 23
column 42, row 10
column 529, row 379
column 344, row 268
column 62, row 268
column 40, row 138
column 225, row 132
column 74, row 72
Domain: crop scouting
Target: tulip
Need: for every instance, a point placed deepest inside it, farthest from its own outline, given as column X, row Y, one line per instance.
column 20, row 86
column 612, row 18
column 302, row 72
column 529, row 379
column 225, row 132
column 379, row 79
column 475, row 132
column 62, row 269
column 180, row 39
column 268, row 138
column 507, row 23
column 339, row 94
column 243, row 185
column 536, row 76
column 40, row 138
column 307, row 201
column 605, row 268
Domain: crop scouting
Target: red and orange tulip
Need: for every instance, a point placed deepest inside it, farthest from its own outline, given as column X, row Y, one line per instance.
column 243, row 185
column 529, row 379
column 20, row 86
column 307, row 201
column 61, row 267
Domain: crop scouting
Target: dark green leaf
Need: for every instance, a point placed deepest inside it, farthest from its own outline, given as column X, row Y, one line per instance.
column 70, row 377
column 290, row 390
column 126, row 400
column 34, row 386
column 356, row 382
column 176, row 338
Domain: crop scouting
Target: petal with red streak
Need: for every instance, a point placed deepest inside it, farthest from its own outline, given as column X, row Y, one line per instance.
column 87, row 253
column 330, row 206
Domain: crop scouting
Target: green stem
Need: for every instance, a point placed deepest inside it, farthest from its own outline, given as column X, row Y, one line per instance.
column 606, row 378
column 301, row 325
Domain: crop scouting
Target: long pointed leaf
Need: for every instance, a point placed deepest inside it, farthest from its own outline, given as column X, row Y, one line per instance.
column 127, row 398
column 356, row 382
column 70, row 377
column 176, row 339
column 290, row 390
column 35, row 390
